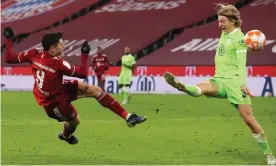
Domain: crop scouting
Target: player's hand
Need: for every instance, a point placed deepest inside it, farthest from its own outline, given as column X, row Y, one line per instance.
column 246, row 91
column 8, row 33
column 85, row 48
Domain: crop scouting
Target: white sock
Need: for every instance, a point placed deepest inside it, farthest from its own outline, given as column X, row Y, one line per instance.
column 198, row 92
column 128, row 115
column 259, row 138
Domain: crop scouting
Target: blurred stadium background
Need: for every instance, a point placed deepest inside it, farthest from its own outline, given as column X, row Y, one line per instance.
column 178, row 36
column 165, row 35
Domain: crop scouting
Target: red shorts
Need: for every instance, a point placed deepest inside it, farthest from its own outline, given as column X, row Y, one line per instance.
column 100, row 77
column 61, row 108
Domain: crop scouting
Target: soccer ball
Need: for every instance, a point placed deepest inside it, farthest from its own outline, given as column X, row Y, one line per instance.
column 255, row 40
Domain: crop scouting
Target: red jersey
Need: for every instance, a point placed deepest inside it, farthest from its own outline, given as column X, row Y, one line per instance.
column 48, row 72
column 100, row 63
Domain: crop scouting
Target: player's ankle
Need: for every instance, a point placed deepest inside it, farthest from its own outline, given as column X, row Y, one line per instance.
column 66, row 137
column 128, row 115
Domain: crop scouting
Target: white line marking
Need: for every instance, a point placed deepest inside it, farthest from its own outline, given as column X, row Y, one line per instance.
column 42, row 122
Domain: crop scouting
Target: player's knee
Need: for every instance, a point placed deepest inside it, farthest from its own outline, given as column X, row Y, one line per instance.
column 97, row 91
column 75, row 122
column 83, row 88
column 120, row 85
column 94, row 91
column 89, row 90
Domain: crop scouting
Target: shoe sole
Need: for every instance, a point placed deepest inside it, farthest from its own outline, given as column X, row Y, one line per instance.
column 170, row 79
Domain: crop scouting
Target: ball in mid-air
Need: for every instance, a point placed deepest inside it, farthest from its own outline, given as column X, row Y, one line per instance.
column 255, row 40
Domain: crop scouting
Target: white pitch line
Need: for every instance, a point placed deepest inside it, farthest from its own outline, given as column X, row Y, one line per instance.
column 42, row 122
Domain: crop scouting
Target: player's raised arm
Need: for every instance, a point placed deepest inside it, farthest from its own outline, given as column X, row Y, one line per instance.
column 75, row 71
column 11, row 57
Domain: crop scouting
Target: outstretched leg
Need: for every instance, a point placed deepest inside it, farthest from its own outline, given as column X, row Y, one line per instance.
column 109, row 102
column 207, row 88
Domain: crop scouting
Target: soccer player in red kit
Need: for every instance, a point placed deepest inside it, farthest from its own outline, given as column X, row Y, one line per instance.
column 100, row 65
column 54, row 93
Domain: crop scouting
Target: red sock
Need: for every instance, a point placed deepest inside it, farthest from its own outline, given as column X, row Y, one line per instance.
column 109, row 102
column 67, row 131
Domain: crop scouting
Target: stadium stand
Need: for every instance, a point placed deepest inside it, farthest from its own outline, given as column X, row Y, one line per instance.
column 120, row 23
column 196, row 46
column 32, row 16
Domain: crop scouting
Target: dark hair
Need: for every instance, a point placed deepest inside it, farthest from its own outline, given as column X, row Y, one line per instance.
column 51, row 39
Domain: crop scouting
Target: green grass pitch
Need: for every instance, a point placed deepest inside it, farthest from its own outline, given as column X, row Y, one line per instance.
column 185, row 130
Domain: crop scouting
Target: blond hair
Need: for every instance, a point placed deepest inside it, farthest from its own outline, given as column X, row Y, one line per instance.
column 229, row 11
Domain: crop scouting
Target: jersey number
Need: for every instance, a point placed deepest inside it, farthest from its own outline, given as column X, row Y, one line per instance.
column 40, row 78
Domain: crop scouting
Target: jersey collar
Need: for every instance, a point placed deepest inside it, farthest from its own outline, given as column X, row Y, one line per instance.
column 46, row 54
column 235, row 30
